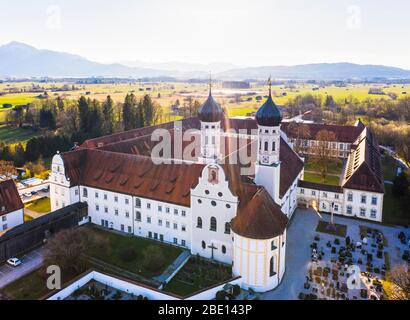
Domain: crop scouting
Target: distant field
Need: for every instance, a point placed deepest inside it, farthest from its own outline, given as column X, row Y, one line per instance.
column 10, row 135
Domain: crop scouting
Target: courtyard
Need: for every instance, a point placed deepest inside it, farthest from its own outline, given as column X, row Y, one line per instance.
column 300, row 269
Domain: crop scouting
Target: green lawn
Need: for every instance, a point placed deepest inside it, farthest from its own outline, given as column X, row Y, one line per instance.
column 335, row 166
column 389, row 166
column 198, row 274
column 340, row 229
column 395, row 210
column 42, row 205
column 30, row 287
column 117, row 252
column 10, row 135
column 315, row 177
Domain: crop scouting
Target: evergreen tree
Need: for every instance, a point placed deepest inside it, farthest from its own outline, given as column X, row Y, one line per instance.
column 18, row 157
column 108, row 116
column 129, row 112
column 83, row 110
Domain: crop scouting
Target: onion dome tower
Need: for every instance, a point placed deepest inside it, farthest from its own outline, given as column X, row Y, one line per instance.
column 210, row 114
column 267, row 167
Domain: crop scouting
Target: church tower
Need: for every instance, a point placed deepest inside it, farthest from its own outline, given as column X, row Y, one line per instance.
column 210, row 114
column 267, row 167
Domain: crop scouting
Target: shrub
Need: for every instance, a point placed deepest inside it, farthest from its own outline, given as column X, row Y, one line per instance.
column 154, row 259
column 220, row 295
column 236, row 290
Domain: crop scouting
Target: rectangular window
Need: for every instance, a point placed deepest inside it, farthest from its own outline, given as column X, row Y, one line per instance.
column 138, row 216
column 167, row 224
column 302, row 191
column 350, row 197
column 160, row 222
column 374, row 201
column 148, row 219
column 176, row 212
column 127, row 214
column 175, row 226
column 349, row 209
column 183, row 243
column 160, row 208
column 373, row 213
column 183, row 228
column 116, row 212
column 96, row 195
column 115, row 198
column 183, row 213
column 336, row 196
column 105, row 196
column 122, row 227
column 138, row 203
column 324, row 194
column 175, row 240
column 336, row 207
column 97, row 207
column 127, row 201
column 363, row 199
column 167, row 210
column 106, row 209
column 129, row 229
column 149, row 234
column 148, row 205
column 313, row 192
column 76, row 192
column 4, row 218
column 362, row 212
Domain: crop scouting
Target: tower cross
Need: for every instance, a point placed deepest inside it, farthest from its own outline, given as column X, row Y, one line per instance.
column 270, row 85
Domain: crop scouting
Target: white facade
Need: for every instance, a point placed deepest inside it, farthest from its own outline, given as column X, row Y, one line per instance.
column 260, row 263
column 11, row 219
column 349, row 202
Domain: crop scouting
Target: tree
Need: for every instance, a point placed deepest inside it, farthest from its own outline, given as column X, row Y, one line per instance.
column 108, row 116
column 301, row 132
column 322, row 151
column 7, row 168
column 67, row 249
column 129, row 112
column 83, row 110
column 19, row 157
column 398, row 283
column 401, row 185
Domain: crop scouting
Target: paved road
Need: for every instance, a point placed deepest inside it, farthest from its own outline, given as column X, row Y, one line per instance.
column 31, row 261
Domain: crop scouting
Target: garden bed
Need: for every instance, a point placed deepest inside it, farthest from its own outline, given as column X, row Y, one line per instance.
column 338, row 230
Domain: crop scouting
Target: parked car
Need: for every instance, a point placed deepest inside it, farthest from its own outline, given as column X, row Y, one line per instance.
column 14, row 262
column 27, row 194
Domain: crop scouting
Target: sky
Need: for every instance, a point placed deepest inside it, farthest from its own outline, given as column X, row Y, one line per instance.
column 245, row 33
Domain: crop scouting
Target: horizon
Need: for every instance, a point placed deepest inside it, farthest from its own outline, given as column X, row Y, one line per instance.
column 266, row 33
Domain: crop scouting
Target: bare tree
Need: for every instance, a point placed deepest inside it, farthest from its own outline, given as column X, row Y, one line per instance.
column 301, row 133
column 398, row 283
column 67, row 249
column 7, row 168
column 322, row 151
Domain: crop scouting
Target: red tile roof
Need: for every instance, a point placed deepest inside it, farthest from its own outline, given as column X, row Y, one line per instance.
column 346, row 134
column 9, row 197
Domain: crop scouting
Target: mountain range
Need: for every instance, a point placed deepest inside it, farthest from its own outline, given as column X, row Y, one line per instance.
column 19, row 60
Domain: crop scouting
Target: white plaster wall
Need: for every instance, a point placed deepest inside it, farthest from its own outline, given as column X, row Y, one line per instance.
column 368, row 206
column 252, row 262
column 11, row 219
column 224, row 210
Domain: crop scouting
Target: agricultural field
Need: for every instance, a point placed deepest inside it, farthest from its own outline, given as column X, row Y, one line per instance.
column 11, row 135
column 167, row 93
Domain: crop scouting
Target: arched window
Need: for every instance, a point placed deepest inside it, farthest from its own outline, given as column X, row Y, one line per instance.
column 272, row 267
column 227, row 228
column 199, row 222
column 223, row 249
column 203, row 244
column 273, row 146
column 213, row 224
column 138, row 216
column 266, row 145
column 85, row 192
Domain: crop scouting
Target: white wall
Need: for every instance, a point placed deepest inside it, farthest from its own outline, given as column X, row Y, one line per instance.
column 252, row 262
column 11, row 219
column 212, row 199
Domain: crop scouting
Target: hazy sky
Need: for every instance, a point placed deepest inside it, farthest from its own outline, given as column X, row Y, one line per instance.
column 258, row 32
